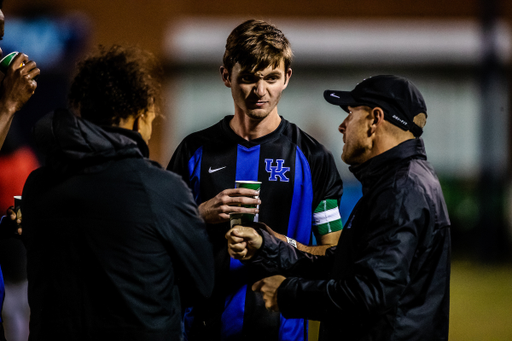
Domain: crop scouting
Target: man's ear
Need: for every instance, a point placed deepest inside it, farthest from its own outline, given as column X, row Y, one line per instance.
column 224, row 73
column 287, row 77
column 136, row 123
column 377, row 119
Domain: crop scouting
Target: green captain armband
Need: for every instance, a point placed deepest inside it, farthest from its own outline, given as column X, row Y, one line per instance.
column 326, row 217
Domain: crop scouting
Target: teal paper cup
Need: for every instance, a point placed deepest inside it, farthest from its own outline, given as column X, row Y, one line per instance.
column 7, row 60
column 244, row 218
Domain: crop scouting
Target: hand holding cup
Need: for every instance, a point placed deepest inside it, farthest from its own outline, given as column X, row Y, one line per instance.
column 231, row 200
column 244, row 218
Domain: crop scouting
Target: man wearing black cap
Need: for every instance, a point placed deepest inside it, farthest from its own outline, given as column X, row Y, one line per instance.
column 389, row 276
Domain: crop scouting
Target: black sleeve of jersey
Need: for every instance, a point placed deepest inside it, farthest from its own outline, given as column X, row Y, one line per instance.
column 326, row 178
column 327, row 183
column 179, row 161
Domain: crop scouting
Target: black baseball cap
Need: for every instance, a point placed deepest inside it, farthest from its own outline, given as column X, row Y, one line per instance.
column 398, row 97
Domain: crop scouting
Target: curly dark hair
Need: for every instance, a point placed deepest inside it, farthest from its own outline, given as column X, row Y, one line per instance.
column 115, row 83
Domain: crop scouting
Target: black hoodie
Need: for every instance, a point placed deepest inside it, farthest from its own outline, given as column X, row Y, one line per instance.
column 115, row 245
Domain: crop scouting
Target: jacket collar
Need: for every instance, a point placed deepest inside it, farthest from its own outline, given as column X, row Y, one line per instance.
column 70, row 142
column 135, row 136
column 377, row 167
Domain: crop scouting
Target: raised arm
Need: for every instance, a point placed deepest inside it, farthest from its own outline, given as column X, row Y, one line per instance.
column 273, row 256
column 17, row 86
column 327, row 241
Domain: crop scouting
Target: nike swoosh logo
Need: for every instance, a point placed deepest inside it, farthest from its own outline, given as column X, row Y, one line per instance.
column 333, row 95
column 215, row 170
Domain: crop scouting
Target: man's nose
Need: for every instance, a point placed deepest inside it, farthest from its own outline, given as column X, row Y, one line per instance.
column 342, row 127
column 259, row 88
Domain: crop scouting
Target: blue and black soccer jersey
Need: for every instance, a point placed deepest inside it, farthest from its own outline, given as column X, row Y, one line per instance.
column 300, row 193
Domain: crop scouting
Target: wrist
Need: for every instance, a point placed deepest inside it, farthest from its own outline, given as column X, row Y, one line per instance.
column 7, row 109
column 202, row 210
column 291, row 241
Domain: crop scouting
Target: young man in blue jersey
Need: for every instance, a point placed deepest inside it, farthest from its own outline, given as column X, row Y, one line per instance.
column 300, row 190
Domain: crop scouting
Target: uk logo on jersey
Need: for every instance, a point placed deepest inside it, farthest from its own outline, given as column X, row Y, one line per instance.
column 276, row 171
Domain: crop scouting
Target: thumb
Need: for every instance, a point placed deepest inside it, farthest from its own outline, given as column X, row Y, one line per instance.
column 249, row 234
column 257, row 286
column 241, row 231
column 232, row 237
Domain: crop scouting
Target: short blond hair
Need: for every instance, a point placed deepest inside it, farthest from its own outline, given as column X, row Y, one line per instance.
column 255, row 45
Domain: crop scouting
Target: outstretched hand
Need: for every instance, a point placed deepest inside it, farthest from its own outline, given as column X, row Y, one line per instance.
column 217, row 209
column 11, row 223
column 243, row 242
column 268, row 287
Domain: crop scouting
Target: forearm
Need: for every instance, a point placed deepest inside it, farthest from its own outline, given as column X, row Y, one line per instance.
column 279, row 257
column 318, row 250
column 6, row 117
column 309, row 299
column 379, row 276
column 323, row 299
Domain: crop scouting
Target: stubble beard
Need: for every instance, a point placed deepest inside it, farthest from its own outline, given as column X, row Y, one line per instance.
column 254, row 115
column 353, row 155
column 259, row 114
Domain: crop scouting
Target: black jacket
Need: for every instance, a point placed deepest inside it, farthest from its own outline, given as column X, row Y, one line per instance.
column 115, row 245
column 388, row 278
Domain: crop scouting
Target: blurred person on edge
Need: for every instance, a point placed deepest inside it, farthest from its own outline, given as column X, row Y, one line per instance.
column 389, row 277
column 300, row 191
column 115, row 245
column 16, row 87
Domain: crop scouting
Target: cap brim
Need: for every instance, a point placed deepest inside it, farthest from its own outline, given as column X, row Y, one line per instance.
column 341, row 98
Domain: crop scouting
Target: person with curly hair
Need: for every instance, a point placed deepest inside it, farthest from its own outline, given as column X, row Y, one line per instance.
column 115, row 244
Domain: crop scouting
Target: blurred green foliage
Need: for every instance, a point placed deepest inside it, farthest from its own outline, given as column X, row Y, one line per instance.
column 478, row 220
